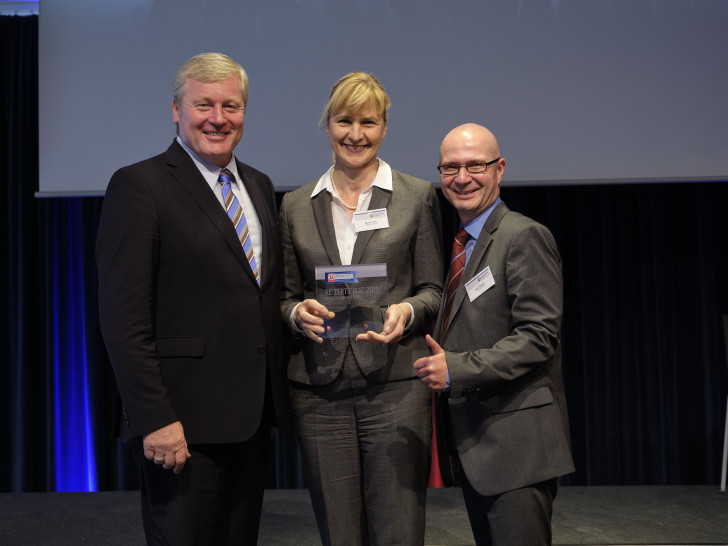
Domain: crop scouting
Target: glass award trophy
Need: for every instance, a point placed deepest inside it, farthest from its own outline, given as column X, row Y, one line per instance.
column 356, row 294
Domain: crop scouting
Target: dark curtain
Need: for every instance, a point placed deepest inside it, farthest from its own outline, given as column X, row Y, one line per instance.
column 645, row 269
column 23, row 391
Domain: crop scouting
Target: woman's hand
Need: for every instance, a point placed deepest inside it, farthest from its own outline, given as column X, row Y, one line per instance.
column 308, row 317
column 395, row 321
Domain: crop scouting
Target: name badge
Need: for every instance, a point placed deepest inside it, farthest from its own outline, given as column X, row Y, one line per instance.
column 479, row 284
column 370, row 219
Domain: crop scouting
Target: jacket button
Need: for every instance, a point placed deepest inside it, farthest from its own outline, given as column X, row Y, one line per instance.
column 261, row 349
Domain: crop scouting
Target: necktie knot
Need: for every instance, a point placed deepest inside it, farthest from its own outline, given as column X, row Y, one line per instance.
column 225, row 177
column 461, row 238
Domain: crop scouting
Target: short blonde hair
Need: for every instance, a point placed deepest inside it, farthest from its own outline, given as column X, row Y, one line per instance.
column 351, row 92
column 209, row 68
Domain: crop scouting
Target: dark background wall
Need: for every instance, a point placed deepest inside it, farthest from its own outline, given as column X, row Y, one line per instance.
column 645, row 269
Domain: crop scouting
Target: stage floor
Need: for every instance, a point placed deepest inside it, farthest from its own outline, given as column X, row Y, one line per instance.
column 664, row 515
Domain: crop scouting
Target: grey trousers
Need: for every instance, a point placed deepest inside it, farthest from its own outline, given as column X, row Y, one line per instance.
column 366, row 450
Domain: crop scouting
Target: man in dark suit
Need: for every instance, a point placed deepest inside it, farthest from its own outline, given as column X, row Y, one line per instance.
column 189, row 309
column 498, row 360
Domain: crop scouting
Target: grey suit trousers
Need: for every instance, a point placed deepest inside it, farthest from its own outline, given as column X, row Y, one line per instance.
column 366, row 450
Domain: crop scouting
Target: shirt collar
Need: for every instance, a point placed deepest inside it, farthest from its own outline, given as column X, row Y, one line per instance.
column 475, row 226
column 208, row 169
column 383, row 180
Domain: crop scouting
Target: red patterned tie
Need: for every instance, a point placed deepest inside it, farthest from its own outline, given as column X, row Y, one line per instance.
column 457, row 264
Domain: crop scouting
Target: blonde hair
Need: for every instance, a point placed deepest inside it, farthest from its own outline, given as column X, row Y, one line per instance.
column 209, row 68
column 351, row 92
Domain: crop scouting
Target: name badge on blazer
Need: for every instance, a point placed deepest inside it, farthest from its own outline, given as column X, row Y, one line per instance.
column 368, row 220
column 479, row 284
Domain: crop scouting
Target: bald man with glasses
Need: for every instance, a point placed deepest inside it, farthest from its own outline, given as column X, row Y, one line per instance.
column 502, row 425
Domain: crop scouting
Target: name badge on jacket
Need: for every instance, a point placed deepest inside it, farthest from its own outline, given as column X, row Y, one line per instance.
column 479, row 284
column 367, row 220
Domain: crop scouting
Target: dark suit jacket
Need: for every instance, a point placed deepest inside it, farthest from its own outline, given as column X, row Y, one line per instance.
column 189, row 332
column 506, row 403
column 412, row 249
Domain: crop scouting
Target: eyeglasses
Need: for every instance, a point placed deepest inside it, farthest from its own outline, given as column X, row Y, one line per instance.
column 475, row 167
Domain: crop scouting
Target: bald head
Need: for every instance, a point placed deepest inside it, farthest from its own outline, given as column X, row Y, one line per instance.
column 471, row 193
column 473, row 136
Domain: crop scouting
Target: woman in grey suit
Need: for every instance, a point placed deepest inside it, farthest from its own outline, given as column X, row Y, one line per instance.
column 363, row 419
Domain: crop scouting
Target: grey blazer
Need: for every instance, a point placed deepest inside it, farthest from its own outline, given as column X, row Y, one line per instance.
column 412, row 249
column 506, row 401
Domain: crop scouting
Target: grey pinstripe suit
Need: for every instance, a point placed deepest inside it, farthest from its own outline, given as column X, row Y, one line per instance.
column 393, row 454
column 506, row 401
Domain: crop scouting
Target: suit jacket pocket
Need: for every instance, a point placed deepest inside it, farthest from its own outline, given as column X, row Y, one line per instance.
column 527, row 398
column 171, row 347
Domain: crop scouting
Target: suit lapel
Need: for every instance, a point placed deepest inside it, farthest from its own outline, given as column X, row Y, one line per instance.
column 183, row 169
column 475, row 262
column 380, row 200
column 257, row 197
column 321, row 205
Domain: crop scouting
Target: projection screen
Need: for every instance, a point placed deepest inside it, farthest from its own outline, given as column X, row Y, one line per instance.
column 577, row 91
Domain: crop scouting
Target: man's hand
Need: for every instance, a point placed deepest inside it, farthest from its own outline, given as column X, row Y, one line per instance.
column 395, row 320
column 308, row 317
column 432, row 370
column 167, row 446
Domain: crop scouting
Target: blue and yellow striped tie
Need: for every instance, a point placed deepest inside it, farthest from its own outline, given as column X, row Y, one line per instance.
column 236, row 214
